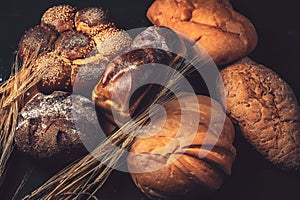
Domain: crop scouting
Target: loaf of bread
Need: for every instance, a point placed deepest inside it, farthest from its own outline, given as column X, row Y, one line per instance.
column 181, row 155
column 53, row 126
column 265, row 109
column 124, row 85
column 78, row 39
column 224, row 33
column 70, row 59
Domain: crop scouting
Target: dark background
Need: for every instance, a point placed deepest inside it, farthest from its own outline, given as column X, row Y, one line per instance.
column 277, row 24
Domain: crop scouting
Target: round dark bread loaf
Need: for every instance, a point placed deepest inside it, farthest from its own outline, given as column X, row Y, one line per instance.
column 266, row 110
column 73, row 45
column 57, row 75
column 93, row 20
column 114, row 94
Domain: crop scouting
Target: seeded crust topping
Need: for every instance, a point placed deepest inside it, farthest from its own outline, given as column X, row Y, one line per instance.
column 37, row 38
column 112, row 41
column 93, row 42
column 93, row 20
column 73, row 45
column 58, row 73
column 60, row 18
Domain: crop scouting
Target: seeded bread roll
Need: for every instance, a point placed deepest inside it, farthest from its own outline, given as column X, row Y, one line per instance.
column 265, row 109
column 85, row 77
column 186, row 155
column 77, row 54
column 112, row 42
column 36, row 40
column 73, row 45
column 51, row 126
column 93, row 20
column 60, row 18
column 58, row 74
column 224, row 33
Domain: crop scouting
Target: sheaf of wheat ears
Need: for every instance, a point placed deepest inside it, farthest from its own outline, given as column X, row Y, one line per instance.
column 87, row 175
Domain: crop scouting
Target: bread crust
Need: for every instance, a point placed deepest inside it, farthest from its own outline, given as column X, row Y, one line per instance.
column 60, row 18
column 35, row 40
column 93, row 20
column 224, row 33
column 166, row 163
column 52, row 126
column 266, row 110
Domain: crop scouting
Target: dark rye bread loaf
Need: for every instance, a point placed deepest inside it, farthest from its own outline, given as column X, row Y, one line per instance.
column 51, row 126
column 224, row 33
column 265, row 109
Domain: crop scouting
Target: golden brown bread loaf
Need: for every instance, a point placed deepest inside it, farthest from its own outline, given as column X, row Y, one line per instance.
column 265, row 109
column 224, row 33
column 175, row 161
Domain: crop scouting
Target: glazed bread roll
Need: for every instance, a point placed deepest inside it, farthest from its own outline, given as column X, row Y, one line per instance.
column 113, row 94
column 53, row 126
column 121, row 89
column 224, row 33
column 179, row 160
column 265, row 109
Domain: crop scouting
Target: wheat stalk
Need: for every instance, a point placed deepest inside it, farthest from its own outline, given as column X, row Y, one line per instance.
column 87, row 175
column 12, row 93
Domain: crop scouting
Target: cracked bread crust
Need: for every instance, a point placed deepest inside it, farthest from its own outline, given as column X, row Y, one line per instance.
column 224, row 33
column 265, row 109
